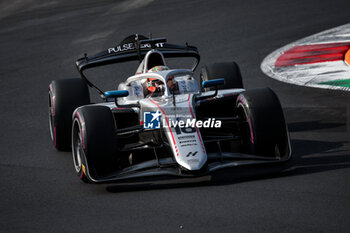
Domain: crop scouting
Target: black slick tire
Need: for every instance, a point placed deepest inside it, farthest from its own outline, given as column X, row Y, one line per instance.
column 265, row 128
column 65, row 96
column 229, row 71
column 94, row 141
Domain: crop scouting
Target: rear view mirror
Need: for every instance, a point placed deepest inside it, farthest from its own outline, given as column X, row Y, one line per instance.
column 116, row 94
column 213, row 83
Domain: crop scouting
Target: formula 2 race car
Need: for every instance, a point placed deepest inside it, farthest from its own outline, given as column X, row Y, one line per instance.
column 160, row 121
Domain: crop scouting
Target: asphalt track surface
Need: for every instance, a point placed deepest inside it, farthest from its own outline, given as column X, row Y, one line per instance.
column 39, row 192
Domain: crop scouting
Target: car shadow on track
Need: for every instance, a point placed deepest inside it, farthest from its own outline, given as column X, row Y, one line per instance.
column 312, row 156
column 309, row 156
column 316, row 126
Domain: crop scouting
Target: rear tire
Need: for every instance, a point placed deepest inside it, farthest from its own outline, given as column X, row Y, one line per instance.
column 94, row 142
column 65, row 96
column 229, row 71
column 265, row 130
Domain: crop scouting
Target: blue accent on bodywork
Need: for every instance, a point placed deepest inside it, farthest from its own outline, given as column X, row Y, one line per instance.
column 213, row 83
column 116, row 94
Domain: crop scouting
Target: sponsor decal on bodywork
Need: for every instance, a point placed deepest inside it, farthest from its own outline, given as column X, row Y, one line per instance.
column 131, row 46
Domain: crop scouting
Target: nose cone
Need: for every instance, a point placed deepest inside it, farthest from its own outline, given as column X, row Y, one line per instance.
column 193, row 160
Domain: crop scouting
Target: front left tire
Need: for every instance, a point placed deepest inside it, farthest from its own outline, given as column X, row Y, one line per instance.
column 264, row 128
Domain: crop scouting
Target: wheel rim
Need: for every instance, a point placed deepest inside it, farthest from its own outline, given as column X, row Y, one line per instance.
column 277, row 152
column 51, row 120
column 77, row 148
column 246, row 129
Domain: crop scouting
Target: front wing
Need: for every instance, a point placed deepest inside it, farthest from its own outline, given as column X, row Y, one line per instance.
column 168, row 167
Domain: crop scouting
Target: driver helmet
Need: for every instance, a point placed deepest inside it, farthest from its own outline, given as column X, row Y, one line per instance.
column 154, row 85
column 158, row 68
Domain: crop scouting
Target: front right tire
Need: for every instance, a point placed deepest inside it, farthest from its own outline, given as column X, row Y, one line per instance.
column 65, row 95
column 229, row 71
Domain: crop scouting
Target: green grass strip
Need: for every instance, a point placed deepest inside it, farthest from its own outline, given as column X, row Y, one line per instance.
column 340, row 83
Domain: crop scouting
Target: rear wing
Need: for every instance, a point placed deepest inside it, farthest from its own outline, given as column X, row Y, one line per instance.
column 133, row 48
